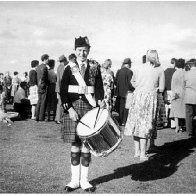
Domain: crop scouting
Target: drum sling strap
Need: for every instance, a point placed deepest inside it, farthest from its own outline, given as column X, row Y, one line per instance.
column 81, row 82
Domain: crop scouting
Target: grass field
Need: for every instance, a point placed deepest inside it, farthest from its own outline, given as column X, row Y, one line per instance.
column 33, row 159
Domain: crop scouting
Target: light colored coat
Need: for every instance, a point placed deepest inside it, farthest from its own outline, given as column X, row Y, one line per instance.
column 190, row 86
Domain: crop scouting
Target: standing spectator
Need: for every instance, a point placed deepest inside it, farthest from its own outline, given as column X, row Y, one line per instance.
column 21, row 103
column 2, row 99
column 108, row 81
column 51, row 94
column 190, row 97
column 177, row 88
column 161, row 120
column 25, row 79
column 113, row 98
column 168, row 94
column 7, row 86
column 123, row 85
column 187, row 65
column 42, row 79
column 161, row 113
column 63, row 62
column 72, row 59
column 15, row 84
column 141, row 122
column 116, row 97
column 33, row 90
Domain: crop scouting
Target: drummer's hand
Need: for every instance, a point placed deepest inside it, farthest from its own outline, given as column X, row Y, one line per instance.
column 101, row 103
column 73, row 114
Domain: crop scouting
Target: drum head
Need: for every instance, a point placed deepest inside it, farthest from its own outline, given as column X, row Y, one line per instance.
column 91, row 122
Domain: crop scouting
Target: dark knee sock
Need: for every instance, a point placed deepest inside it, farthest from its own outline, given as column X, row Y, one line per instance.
column 85, row 159
column 75, row 158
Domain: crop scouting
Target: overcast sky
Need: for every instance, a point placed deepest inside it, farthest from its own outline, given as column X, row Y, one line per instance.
column 116, row 30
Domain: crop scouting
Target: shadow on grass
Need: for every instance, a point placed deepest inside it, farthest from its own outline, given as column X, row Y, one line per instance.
column 161, row 165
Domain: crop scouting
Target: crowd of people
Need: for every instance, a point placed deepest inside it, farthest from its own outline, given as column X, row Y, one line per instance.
column 145, row 97
column 40, row 91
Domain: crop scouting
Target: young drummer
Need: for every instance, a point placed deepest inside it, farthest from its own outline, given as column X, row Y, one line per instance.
column 81, row 90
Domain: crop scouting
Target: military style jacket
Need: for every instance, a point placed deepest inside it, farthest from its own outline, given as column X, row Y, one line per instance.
column 92, row 78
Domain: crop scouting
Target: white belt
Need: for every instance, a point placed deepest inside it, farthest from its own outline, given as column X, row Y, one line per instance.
column 81, row 89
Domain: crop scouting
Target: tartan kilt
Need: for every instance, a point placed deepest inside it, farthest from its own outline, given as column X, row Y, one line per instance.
column 68, row 126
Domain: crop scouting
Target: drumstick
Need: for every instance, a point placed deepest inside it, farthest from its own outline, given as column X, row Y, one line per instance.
column 83, row 123
column 97, row 116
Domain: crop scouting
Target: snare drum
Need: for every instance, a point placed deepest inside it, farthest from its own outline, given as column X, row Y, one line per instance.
column 99, row 131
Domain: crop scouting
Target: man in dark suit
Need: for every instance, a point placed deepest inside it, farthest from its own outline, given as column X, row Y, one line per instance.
column 123, row 85
column 42, row 79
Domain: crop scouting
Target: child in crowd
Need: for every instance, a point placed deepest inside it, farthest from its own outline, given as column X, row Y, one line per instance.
column 4, row 116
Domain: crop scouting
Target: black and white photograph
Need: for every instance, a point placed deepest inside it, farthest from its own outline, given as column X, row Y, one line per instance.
column 97, row 97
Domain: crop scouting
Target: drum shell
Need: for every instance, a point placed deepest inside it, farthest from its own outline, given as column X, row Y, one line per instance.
column 104, row 141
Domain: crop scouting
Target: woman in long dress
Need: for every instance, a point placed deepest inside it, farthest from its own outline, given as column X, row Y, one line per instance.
column 141, row 122
column 178, row 89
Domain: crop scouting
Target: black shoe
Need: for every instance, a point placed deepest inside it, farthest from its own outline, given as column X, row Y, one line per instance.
column 69, row 189
column 90, row 190
column 153, row 149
